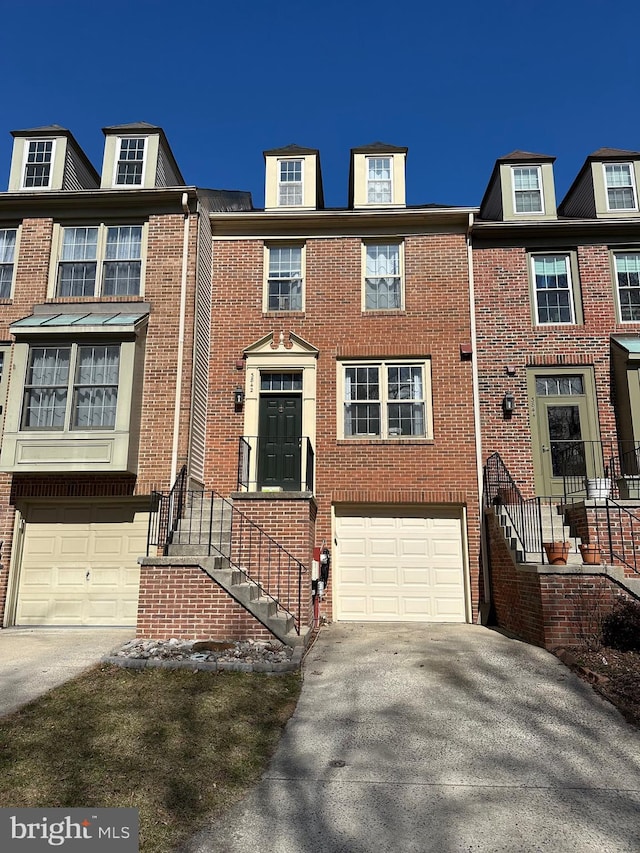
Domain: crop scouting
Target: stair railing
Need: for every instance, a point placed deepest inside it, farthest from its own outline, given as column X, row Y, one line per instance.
column 211, row 522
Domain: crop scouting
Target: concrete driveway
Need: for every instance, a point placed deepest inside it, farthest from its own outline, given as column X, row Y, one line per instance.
column 451, row 739
column 34, row 660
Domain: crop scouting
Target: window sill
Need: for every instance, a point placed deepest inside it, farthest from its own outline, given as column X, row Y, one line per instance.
column 281, row 313
column 385, row 441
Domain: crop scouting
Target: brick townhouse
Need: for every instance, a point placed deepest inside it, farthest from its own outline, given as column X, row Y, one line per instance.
column 100, row 276
column 341, row 390
column 557, row 303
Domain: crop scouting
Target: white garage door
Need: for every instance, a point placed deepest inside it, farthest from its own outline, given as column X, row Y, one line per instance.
column 399, row 568
column 79, row 565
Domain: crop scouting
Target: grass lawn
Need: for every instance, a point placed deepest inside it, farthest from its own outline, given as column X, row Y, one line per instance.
column 179, row 746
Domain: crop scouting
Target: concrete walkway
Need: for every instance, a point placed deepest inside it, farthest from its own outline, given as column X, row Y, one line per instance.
column 34, row 660
column 451, row 739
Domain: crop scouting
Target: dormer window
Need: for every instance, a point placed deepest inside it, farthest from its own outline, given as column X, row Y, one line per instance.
column 290, row 183
column 621, row 192
column 527, row 189
column 37, row 169
column 379, row 173
column 130, row 161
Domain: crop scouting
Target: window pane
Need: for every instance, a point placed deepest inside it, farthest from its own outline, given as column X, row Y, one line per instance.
column 96, row 387
column 77, row 269
column 620, row 194
column 553, row 289
column 379, row 180
column 628, row 275
column 38, row 166
column 45, row 398
column 7, row 253
column 130, row 161
column 382, row 282
column 526, row 184
column 124, row 243
column 549, row 386
column 290, row 183
column 285, row 279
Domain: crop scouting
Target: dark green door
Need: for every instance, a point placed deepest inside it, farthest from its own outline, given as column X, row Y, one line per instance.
column 280, row 442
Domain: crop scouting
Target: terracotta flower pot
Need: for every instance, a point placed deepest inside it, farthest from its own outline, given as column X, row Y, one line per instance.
column 557, row 552
column 591, row 554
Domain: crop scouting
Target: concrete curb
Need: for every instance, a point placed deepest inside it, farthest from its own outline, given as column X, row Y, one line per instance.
column 264, row 667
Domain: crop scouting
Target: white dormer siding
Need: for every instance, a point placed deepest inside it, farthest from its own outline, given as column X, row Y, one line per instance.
column 377, row 176
column 292, row 179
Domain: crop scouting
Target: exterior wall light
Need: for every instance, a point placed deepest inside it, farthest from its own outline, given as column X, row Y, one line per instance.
column 508, row 404
column 238, row 398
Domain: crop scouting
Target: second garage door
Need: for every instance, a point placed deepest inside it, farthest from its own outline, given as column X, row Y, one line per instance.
column 393, row 567
column 79, row 564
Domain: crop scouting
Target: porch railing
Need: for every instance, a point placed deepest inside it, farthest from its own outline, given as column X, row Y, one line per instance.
column 250, row 448
column 579, row 461
column 616, row 529
column 211, row 522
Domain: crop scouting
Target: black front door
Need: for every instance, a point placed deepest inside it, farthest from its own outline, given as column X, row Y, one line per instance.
column 280, row 442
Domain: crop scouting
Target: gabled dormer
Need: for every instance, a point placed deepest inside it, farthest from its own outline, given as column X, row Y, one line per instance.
column 377, row 176
column 521, row 188
column 138, row 156
column 293, row 180
column 49, row 158
column 606, row 187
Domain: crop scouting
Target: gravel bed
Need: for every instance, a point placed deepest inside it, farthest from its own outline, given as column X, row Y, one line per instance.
column 243, row 656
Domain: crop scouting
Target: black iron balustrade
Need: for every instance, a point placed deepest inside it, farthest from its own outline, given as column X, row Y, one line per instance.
column 613, row 528
column 299, row 478
column 625, row 470
column 578, row 462
column 207, row 520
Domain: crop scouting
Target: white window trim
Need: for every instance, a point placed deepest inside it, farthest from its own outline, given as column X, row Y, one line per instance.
column 145, row 158
column 16, row 249
column 303, row 272
column 388, row 157
column 616, row 284
column 382, row 242
column 570, row 282
column 56, row 258
column 516, row 212
column 382, row 365
column 633, row 188
column 281, row 183
column 25, row 154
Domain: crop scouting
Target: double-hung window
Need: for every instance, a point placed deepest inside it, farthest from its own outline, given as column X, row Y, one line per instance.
column 37, row 167
column 621, row 191
column 130, row 161
column 383, row 276
column 379, row 173
column 7, row 259
column 527, row 189
column 72, row 387
column 290, row 183
column 285, row 278
column 385, row 400
column 553, row 289
column 100, row 261
column 627, row 269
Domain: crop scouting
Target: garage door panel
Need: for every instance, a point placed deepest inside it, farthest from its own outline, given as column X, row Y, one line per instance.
column 404, row 567
column 79, row 565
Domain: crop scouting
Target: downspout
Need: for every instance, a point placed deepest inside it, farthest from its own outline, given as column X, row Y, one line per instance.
column 483, row 610
column 181, row 326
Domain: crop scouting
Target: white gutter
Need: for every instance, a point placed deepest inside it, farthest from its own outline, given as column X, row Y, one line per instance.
column 484, row 553
column 181, row 326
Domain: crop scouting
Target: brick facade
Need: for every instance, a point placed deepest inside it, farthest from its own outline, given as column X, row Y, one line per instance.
column 544, row 607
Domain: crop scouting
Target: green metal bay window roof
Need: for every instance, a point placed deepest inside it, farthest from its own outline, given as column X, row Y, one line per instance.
column 629, row 343
column 100, row 322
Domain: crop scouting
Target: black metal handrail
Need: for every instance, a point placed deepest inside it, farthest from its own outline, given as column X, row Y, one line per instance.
column 616, row 530
column 580, row 461
column 249, row 449
column 218, row 528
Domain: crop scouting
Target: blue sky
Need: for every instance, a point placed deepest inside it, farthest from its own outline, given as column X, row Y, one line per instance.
column 460, row 83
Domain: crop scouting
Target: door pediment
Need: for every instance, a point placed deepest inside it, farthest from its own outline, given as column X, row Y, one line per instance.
column 280, row 342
